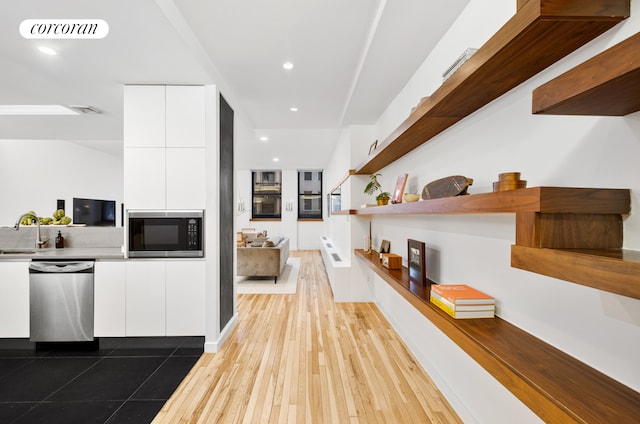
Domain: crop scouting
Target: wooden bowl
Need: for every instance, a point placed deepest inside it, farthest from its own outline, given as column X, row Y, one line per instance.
column 411, row 197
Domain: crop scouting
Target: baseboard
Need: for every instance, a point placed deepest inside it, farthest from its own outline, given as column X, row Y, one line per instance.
column 214, row 346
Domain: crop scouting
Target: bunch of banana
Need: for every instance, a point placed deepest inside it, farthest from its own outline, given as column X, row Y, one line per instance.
column 46, row 221
column 28, row 220
column 59, row 218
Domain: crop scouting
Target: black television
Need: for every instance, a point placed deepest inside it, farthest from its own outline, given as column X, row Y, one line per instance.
column 94, row 212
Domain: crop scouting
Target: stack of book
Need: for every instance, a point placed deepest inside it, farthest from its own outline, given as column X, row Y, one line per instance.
column 462, row 301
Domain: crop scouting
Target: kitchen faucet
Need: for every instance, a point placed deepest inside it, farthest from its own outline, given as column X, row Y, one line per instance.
column 39, row 241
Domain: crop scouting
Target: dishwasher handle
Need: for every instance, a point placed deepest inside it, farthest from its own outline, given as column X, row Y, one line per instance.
column 61, row 267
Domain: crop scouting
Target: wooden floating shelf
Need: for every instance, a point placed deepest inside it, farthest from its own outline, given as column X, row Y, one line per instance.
column 554, row 228
column 343, row 179
column 554, row 385
column 538, row 35
column 606, row 85
column 612, row 270
column 535, row 199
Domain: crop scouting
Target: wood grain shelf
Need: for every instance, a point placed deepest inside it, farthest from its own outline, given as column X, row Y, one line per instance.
column 535, row 199
column 613, row 270
column 343, row 179
column 606, row 85
column 538, row 35
column 574, row 234
column 554, row 385
column 344, row 212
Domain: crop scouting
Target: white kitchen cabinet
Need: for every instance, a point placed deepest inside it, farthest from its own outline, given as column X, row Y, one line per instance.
column 185, row 298
column 14, row 299
column 145, row 178
column 110, row 293
column 145, row 303
column 185, row 116
column 185, row 178
column 144, row 116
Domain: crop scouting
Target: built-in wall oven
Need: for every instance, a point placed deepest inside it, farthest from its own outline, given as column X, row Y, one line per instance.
column 165, row 233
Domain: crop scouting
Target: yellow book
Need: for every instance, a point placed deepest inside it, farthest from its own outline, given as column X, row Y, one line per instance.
column 489, row 313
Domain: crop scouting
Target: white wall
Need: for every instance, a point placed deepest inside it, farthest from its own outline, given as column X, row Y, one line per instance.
column 599, row 328
column 35, row 173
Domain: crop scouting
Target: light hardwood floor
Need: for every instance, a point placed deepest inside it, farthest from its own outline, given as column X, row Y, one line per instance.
column 304, row 359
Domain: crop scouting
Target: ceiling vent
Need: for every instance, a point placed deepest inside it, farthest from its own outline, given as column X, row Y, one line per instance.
column 85, row 110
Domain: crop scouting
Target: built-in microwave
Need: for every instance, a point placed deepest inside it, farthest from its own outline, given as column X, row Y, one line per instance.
column 165, row 233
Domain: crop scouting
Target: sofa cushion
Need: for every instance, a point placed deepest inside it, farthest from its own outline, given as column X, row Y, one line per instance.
column 258, row 242
column 272, row 241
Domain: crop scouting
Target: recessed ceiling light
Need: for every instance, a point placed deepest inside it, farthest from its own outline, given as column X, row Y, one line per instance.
column 287, row 65
column 47, row 50
column 36, row 110
column 264, row 138
column 276, row 159
column 293, row 109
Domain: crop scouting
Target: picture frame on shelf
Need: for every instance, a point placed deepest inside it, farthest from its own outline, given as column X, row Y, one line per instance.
column 416, row 261
column 399, row 190
column 373, row 147
column 385, row 246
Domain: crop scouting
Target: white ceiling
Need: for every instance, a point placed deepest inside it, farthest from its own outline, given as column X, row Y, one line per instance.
column 351, row 58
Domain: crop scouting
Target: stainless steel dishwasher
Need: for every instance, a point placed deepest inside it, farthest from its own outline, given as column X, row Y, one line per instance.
column 61, row 301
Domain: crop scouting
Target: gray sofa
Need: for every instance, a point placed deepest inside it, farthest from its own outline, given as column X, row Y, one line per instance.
column 264, row 258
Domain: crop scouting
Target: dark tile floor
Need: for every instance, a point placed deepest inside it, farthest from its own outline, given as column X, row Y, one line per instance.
column 126, row 380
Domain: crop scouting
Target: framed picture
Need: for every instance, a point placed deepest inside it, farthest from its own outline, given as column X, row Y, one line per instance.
column 373, row 146
column 385, row 246
column 415, row 251
column 399, row 190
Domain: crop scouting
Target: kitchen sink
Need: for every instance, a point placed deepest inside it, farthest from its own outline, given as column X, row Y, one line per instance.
column 17, row 251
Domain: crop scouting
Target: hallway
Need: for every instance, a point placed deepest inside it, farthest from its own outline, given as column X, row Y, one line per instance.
column 303, row 358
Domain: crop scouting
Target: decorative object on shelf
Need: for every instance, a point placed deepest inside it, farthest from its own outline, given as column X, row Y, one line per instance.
column 385, row 247
column 370, row 240
column 509, row 181
column 416, row 261
column 391, row 261
column 372, row 186
column 462, row 301
column 458, row 63
column 454, row 185
column 373, row 147
column 399, row 190
column 411, row 197
column 383, row 198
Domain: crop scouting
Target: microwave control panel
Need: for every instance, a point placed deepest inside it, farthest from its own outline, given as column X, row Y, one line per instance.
column 192, row 235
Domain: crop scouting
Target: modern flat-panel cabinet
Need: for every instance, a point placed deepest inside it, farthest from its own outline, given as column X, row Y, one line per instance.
column 185, row 178
column 145, row 178
column 110, row 291
column 145, row 298
column 165, row 298
column 14, row 299
column 185, row 286
column 164, row 147
column 185, row 116
column 144, row 116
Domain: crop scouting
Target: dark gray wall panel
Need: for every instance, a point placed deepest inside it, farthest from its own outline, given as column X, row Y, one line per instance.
column 227, row 210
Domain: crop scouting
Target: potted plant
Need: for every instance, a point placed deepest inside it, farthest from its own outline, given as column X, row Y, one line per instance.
column 374, row 186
